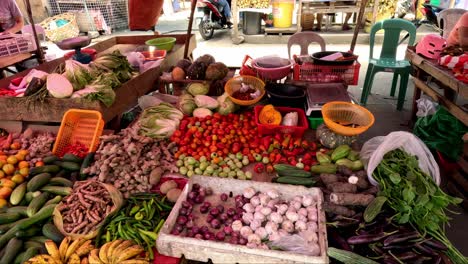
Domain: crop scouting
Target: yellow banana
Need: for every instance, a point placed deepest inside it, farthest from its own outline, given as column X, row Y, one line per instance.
column 85, row 248
column 124, row 245
column 53, row 250
column 135, row 261
column 129, row 253
column 73, row 247
column 112, row 247
column 63, row 248
column 103, row 253
column 74, row 259
column 84, row 260
column 42, row 259
column 93, row 257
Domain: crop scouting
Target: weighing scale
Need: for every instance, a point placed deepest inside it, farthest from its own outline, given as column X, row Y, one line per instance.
column 76, row 43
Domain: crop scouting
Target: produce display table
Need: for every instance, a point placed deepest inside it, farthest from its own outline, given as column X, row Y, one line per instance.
column 428, row 70
column 52, row 110
column 11, row 60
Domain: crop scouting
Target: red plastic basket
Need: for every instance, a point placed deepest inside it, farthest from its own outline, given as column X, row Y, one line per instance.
column 247, row 68
column 326, row 73
column 296, row 131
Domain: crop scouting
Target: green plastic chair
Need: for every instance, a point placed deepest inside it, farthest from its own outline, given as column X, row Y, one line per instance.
column 387, row 61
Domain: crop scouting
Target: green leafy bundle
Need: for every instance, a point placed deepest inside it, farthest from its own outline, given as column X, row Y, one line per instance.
column 416, row 198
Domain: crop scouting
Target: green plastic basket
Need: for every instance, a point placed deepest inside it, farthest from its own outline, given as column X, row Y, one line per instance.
column 164, row 43
column 315, row 119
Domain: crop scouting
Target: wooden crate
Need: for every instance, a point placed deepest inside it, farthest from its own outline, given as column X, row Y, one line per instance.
column 127, row 95
column 217, row 252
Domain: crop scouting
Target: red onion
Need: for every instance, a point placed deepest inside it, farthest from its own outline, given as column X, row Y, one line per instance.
column 189, row 224
column 220, row 236
column 192, row 195
column 195, row 230
column 223, row 217
column 196, row 187
column 199, row 199
column 228, row 230
column 191, row 217
column 215, row 224
column 231, row 212
column 181, row 220
column 204, row 209
column 239, row 211
column 229, row 221
column 236, row 217
column 220, row 208
column 179, row 228
column 239, row 204
column 242, row 241
column 234, row 240
column 245, row 200
column 223, row 197
column 209, row 218
column 204, row 229
column 190, row 233
column 235, row 234
column 186, row 204
column 214, row 211
column 199, row 236
column 209, row 236
column 238, row 198
column 183, row 211
column 175, row 233
column 207, row 204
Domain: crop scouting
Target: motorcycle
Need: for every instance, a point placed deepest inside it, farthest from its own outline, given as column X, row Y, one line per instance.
column 211, row 17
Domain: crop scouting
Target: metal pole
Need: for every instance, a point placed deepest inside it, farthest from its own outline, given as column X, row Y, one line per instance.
column 362, row 9
column 189, row 30
column 39, row 52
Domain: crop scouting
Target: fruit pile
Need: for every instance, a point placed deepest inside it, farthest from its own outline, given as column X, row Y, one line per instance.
column 14, row 170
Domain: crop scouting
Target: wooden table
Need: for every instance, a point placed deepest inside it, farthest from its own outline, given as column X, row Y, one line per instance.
column 11, row 60
column 429, row 71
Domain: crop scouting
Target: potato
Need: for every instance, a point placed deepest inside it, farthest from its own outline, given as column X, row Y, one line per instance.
column 155, row 175
column 167, row 186
column 173, row 195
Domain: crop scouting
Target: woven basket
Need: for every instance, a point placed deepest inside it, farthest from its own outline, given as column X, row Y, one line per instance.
column 68, row 30
column 307, row 20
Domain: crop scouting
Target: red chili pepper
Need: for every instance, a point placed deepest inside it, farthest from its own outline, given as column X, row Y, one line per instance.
column 271, row 148
column 285, row 142
column 276, row 143
column 277, row 158
column 278, row 137
column 297, row 142
column 266, row 142
column 304, row 144
column 313, row 146
column 259, row 168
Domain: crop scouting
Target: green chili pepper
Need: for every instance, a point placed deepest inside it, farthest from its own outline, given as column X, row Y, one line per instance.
column 150, row 234
column 159, row 226
column 134, row 210
column 139, row 216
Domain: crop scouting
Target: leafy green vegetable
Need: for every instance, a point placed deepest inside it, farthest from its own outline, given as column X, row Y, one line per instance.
column 160, row 121
column 78, row 74
column 103, row 93
column 114, row 62
column 416, row 198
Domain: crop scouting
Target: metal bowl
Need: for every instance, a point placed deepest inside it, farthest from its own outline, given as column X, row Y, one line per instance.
column 74, row 43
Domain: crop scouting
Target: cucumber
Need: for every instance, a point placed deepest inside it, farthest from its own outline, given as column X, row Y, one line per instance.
column 44, row 213
column 86, row 163
column 19, row 258
column 50, row 159
column 70, row 166
column 53, row 169
column 296, row 180
column 50, row 231
column 7, row 218
column 18, row 209
column 288, row 170
column 58, row 163
column 37, row 204
column 54, row 200
column 32, row 244
column 374, row 208
column 38, row 181
column 30, row 253
column 18, row 194
column 72, row 158
column 60, row 182
column 28, row 197
column 23, row 203
column 5, row 227
column 62, row 174
column 34, row 230
column 40, row 239
column 348, row 257
column 57, row 190
column 13, row 248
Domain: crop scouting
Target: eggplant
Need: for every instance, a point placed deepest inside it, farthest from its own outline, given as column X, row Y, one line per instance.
column 445, row 259
column 34, row 85
column 376, row 249
column 388, row 259
column 421, row 260
column 397, row 238
column 438, row 260
column 340, row 241
column 435, row 244
column 399, row 246
column 366, row 239
column 407, row 255
column 426, row 250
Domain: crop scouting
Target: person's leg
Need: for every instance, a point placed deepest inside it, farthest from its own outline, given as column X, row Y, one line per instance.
column 345, row 23
column 319, row 22
column 226, row 9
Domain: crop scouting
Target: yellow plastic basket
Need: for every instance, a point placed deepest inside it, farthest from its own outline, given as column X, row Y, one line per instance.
column 346, row 118
column 234, row 84
column 84, row 126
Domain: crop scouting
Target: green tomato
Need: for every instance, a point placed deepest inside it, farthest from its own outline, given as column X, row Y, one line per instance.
column 257, row 157
column 198, row 171
column 179, row 163
column 191, row 160
column 221, row 163
column 223, row 174
column 241, row 177
column 182, row 157
column 239, row 155
column 232, row 156
column 214, row 155
column 202, row 158
column 209, row 169
column 190, row 173
column 190, row 167
column 240, row 173
column 239, row 165
column 232, row 174
column 226, row 169
column 265, row 160
column 203, row 165
column 183, row 170
column 248, row 175
column 233, row 167
column 245, row 162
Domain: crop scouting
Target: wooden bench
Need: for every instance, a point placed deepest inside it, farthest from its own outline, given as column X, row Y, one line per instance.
column 313, row 7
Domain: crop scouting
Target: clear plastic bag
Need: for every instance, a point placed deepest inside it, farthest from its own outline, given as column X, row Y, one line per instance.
column 374, row 150
column 297, row 244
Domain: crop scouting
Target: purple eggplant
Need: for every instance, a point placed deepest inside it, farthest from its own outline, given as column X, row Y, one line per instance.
column 399, row 246
column 445, row 259
column 340, row 241
column 435, row 244
column 388, row 259
column 426, row 250
column 407, row 255
column 376, row 249
column 438, row 260
column 421, row 260
column 366, row 239
column 397, row 238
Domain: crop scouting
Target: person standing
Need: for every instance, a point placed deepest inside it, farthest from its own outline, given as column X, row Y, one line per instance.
column 11, row 19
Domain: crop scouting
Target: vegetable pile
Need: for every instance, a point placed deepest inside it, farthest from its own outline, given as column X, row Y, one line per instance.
column 130, row 161
column 159, row 121
column 415, row 198
column 139, row 221
column 83, row 211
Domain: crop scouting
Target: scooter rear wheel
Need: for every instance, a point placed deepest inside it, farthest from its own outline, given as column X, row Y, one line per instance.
column 206, row 31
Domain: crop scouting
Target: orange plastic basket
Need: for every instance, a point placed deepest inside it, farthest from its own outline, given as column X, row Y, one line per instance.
column 235, row 83
column 346, row 118
column 84, row 126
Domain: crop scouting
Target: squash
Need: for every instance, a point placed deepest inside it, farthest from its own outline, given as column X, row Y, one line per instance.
column 269, row 116
column 330, row 139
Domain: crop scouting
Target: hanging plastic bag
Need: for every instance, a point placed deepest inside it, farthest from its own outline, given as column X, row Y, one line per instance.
column 374, row 150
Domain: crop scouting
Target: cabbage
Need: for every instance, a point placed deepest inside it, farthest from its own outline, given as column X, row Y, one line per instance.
column 159, row 121
column 59, row 86
column 103, row 93
column 226, row 106
column 78, row 74
column 186, row 104
column 204, row 101
column 198, row 88
column 202, row 112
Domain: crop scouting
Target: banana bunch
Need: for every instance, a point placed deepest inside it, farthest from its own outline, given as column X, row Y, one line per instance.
column 118, row 252
column 69, row 252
